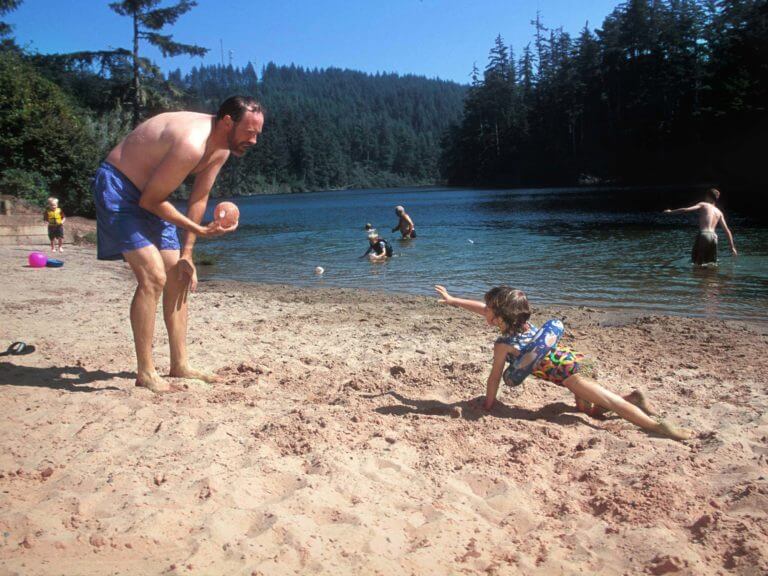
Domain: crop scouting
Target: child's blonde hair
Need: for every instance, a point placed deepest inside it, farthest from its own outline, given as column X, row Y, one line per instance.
column 510, row 305
column 53, row 200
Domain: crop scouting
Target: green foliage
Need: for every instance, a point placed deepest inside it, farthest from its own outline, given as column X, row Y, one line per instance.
column 43, row 135
column 665, row 91
column 147, row 20
column 331, row 128
column 5, row 7
column 31, row 186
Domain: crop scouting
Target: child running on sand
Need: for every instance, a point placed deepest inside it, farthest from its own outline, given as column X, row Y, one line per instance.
column 508, row 310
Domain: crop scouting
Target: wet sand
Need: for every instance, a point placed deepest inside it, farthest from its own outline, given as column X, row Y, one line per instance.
column 342, row 439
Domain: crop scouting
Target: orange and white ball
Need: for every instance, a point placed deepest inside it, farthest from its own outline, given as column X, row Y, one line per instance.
column 226, row 213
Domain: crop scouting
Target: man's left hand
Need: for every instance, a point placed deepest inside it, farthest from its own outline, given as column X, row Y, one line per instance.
column 188, row 273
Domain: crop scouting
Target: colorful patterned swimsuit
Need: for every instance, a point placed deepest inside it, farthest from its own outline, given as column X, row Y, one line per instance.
column 558, row 365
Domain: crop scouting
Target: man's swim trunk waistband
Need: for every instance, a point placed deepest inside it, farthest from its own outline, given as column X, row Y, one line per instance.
column 121, row 224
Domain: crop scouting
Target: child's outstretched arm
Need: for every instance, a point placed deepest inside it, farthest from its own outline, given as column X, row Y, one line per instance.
column 472, row 305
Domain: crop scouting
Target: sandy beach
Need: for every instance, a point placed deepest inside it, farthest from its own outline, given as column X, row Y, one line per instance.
column 342, row 439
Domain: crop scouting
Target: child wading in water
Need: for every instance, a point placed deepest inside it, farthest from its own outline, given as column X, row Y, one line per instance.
column 508, row 310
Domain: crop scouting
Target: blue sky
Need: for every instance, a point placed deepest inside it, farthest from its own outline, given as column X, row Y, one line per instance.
column 434, row 38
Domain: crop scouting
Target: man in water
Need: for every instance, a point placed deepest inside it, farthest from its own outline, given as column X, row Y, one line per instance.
column 136, row 221
column 405, row 225
column 705, row 246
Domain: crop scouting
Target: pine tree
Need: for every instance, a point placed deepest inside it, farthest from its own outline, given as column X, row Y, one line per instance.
column 5, row 7
column 147, row 21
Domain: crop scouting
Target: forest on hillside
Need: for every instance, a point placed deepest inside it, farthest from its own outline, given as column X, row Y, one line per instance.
column 331, row 128
column 664, row 92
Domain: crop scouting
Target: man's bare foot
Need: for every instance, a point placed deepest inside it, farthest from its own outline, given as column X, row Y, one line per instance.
column 153, row 382
column 638, row 399
column 674, row 432
column 193, row 374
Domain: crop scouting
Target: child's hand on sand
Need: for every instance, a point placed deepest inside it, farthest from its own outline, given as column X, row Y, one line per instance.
column 445, row 297
column 480, row 404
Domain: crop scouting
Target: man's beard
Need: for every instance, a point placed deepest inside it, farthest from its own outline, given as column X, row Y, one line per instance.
column 238, row 149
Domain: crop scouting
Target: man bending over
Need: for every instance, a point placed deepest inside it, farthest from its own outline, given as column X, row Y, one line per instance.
column 136, row 222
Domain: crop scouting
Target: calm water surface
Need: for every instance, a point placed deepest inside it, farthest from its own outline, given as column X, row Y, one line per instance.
column 599, row 248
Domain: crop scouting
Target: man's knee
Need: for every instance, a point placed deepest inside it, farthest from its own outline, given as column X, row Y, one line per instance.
column 153, row 280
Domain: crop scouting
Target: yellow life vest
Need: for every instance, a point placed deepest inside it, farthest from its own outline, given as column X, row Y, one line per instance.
column 54, row 217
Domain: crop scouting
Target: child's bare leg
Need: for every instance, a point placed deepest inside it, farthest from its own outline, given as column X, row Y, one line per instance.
column 636, row 397
column 592, row 392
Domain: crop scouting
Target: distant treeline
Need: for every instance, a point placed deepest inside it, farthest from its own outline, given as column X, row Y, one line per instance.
column 666, row 91
column 331, row 128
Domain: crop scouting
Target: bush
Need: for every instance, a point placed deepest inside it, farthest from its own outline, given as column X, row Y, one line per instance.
column 43, row 137
column 30, row 186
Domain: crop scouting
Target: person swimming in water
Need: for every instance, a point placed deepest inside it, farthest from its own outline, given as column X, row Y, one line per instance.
column 378, row 249
column 705, row 246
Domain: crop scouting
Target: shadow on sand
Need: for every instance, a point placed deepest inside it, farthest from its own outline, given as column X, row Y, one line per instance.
column 557, row 412
column 71, row 378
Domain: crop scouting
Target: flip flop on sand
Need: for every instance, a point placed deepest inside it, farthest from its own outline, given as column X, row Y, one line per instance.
column 18, row 349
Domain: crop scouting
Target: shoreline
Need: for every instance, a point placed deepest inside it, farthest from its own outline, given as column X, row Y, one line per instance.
column 610, row 316
column 342, row 439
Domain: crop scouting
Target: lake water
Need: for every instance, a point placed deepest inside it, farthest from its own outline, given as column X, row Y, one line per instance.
column 597, row 248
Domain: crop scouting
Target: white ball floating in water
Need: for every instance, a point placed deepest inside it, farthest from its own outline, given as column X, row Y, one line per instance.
column 319, row 270
column 471, row 241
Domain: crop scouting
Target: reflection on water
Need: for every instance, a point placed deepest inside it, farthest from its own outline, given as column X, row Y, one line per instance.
column 576, row 247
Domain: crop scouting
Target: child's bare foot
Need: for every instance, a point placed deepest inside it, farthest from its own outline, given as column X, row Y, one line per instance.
column 590, row 409
column 193, row 374
column 153, row 382
column 673, row 432
column 638, row 399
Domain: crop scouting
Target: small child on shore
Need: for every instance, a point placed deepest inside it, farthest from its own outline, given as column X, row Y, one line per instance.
column 55, row 219
column 508, row 310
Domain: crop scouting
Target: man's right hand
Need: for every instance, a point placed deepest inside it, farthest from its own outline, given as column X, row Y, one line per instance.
column 215, row 229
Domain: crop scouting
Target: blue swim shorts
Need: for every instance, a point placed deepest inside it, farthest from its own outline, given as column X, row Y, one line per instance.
column 121, row 224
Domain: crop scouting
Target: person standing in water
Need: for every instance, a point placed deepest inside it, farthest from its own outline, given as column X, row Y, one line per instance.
column 405, row 225
column 137, row 222
column 705, row 246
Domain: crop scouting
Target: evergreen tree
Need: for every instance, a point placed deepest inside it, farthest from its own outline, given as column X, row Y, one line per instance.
column 147, row 22
column 5, row 7
column 665, row 91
